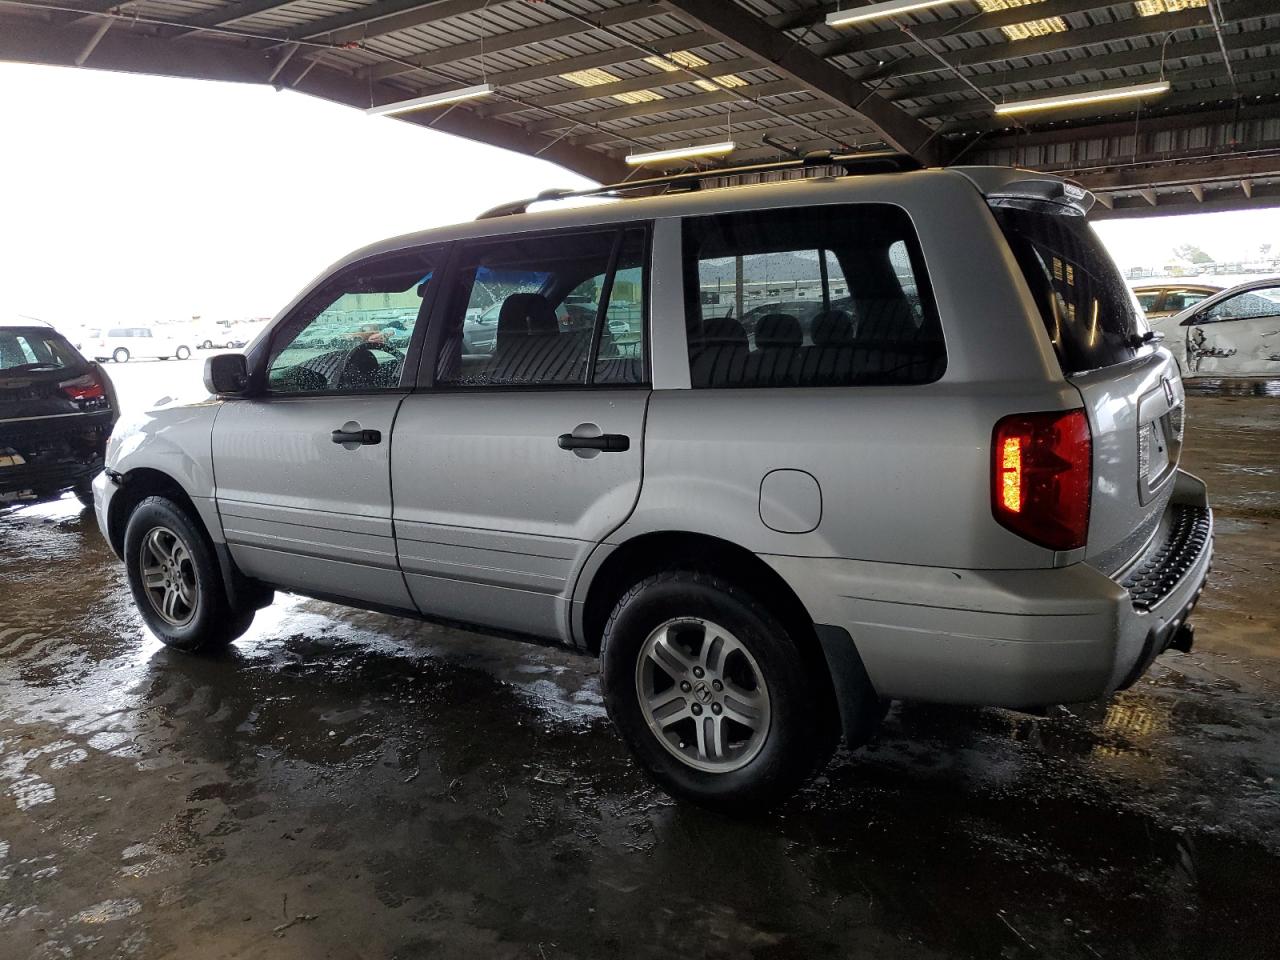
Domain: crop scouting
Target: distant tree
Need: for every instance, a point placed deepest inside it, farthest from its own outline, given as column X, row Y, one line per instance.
column 1193, row 254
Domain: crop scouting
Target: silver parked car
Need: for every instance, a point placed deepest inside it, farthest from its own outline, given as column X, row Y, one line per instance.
column 961, row 485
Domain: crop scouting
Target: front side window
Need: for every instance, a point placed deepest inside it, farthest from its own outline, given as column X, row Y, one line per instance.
column 556, row 310
column 1251, row 305
column 352, row 334
column 812, row 297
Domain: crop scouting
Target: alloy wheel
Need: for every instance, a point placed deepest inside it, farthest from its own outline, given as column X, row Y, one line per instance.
column 703, row 695
column 169, row 576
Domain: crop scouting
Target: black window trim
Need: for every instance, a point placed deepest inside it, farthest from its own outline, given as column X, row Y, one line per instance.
column 426, row 382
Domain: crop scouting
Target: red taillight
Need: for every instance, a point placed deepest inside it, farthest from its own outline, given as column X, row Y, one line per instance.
column 87, row 387
column 1041, row 477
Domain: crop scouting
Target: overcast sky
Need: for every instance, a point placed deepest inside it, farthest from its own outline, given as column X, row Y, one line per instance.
column 149, row 199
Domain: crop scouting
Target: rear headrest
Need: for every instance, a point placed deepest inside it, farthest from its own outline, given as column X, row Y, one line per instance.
column 723, row 332
column 833, row 328
column 526, row 315
column 778, row 330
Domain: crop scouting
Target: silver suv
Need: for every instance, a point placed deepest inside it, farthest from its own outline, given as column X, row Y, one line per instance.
column 953, row 480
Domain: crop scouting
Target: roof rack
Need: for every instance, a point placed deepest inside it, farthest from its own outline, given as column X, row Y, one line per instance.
column 850, row 163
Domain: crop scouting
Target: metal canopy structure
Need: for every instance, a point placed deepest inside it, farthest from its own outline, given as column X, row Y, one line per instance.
column 584, row 83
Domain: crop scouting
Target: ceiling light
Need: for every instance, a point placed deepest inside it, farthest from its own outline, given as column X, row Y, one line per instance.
column 432, row 100
column 1150, row 8
column 1078, row 99
column 676, row 61
column 1035, row 28
column 995, row 6
column 590, row 78
column 638, row 96
column 681, row 153
column 878, row 11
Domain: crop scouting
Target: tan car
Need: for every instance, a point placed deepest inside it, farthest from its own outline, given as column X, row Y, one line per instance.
column 1166, row 299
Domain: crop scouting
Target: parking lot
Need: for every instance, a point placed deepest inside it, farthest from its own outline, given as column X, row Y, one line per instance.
column 345, row 784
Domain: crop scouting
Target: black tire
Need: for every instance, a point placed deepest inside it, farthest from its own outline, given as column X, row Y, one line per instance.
column 801, row 733
column 84, row 493
column 183, row 353
column 207, row 345
column 213, row 622
column 120, row 355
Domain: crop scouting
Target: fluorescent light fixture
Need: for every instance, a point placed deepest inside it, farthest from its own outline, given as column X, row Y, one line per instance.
column 681, row 153
column 878, row 11
column 432, row 100
column 1079, row 99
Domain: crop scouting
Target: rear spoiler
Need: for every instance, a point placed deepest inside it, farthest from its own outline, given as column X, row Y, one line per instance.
column 1011, row 183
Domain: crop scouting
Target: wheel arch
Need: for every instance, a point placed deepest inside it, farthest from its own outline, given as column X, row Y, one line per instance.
column 653, row 552
column 135, row 486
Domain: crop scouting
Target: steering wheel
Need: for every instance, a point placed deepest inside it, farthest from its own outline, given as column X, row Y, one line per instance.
column 364, row 350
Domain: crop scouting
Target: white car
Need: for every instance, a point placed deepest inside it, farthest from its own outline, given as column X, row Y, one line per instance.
column 1235, row 333
column 122, row 344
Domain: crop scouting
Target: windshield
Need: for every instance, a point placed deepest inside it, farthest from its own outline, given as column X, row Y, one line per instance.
column 1085, row 305
column 23, row 351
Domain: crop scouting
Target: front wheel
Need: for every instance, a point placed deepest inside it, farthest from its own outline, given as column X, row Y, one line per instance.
column 121, row 355
column 175, row 579
column 84, row 493
column 183, row 353
column 207, row 345
column 711, row 693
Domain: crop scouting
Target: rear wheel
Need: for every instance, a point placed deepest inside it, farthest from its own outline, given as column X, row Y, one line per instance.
column 183, row 353
column 712, row 694
column 207, row 345
column 175, row 579
column 120, row 355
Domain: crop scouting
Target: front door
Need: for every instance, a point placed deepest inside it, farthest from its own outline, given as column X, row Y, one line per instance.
column 1238, row 336
column 526, row 451
column 303, row 467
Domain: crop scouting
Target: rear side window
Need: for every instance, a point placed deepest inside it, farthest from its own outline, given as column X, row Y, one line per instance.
column 1083, row 301
column 826, row 296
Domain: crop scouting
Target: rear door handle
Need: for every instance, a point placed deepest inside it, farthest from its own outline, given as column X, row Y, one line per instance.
column 356, row 436
column 608, row 442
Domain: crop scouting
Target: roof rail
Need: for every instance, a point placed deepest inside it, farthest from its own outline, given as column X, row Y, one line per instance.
column 850, row 163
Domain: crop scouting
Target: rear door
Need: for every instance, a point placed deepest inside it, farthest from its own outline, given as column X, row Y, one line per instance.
column 1237, row 336
column 1131, row 389
column 523, row 449
column 303, row 468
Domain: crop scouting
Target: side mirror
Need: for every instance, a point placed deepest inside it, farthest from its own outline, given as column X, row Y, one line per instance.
column 226, row 375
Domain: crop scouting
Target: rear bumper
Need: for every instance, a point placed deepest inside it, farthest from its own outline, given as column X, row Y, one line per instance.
column 43, row 455
column 1012, row 638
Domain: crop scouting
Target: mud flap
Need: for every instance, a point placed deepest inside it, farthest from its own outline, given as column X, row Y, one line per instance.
column 860, row 708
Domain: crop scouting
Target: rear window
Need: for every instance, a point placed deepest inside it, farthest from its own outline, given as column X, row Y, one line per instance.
column 1083, row 301
column 24, row 351
column 826, row 296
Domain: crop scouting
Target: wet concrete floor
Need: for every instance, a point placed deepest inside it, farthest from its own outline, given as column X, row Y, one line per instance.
column 343, row 784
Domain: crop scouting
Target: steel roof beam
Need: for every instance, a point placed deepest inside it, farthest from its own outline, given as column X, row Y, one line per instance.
column 582, row 94
column 1072, row 68
column 666, row 105
column 510, row 40
column 1209, row 71
column 781, row 54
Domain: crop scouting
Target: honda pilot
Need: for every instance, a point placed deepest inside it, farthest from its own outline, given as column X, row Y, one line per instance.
column 956, row 481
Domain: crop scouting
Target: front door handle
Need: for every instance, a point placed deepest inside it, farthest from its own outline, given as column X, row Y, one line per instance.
column 356, row 436
column 608, row 442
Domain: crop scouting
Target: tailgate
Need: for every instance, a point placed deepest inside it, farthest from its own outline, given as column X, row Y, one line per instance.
column 1136, row 414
